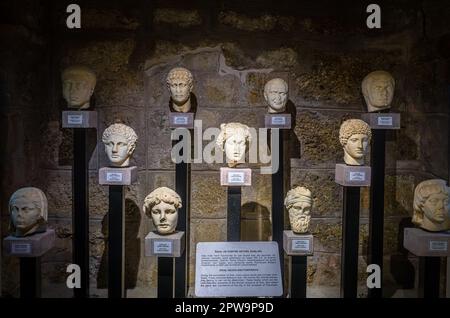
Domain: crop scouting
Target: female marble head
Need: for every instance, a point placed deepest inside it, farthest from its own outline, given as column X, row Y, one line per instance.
column 78, row 86
column 180, row 83
column 378, row 90
column 431, row 205
column 162, row 206
column 120, row 143
column 354, row 136
column 298, row 202
column 28, row 211
column 235, row 139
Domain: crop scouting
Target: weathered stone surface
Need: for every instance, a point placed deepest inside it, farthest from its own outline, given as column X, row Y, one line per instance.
column 180, row 18
column 209, row 198
column 52, row 139
column 318, row 133
column 130, row 116
column 206, row 60
column 204, row 230
column 117, row 82
column 218, row 91
column 324, row 269
column 264, row 22
column 327, row 235
column 327, row 194
column 280, row 59
column 399, row 194
column 111, row 19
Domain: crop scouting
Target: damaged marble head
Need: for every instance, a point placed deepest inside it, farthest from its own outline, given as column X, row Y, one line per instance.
column 28, row 212
column 78, row 86
column 234, row 139
column 378, row 90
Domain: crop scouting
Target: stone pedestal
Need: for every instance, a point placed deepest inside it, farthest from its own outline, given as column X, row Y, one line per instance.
column 382, row 120
column 171, row 245
column 234, row 177
column 298, row 244
column 281, row 121
column 181, row 120
column 79, row 119
column 423, row 243
column 352, row 176
column 34, row 245
column 117, row 176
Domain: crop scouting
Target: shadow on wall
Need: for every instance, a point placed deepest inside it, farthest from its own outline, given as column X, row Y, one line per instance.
column 255, row 222
column 132, row 247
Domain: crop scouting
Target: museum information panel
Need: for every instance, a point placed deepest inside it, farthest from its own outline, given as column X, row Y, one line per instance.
column 237, row 269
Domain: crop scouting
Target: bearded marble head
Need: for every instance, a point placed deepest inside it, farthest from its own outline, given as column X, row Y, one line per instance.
column 298, row 202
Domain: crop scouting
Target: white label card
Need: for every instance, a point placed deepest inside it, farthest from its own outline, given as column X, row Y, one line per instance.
column 21, row 248
column 301, row 245
column 438, row 246
column 278, row 120
column 114, row 176
column 180, row 120
column 162, row 247
column 385, row 121
column 75, row 119
column 357, row 176
column 236, row 177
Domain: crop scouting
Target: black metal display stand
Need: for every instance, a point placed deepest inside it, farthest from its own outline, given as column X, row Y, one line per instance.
column 299, row 267
column 278, row 201
column 115, row 242
column 80, row 212
column 182, row 187
column 30, row 277
column 82, row 123
column 234, row 214
column 429, row 276
column 350, row 239
column 376, row 214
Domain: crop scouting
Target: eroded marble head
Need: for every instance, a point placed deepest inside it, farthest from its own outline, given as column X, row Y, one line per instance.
column 378, row 90
column 28, row 212
column 298, row 202
column 235, row 139
column 78, row 86
column 276, row 95
column 431, row 205
column 354, row 136
column 120, row 143
column 162, row 206
column 180, row 83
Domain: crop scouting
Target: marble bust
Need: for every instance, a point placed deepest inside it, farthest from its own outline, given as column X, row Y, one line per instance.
column 431, row 205
column 180, row 83
column 78, row 86
column 354, row 136
column 162, row 206
column 120, row 143
column 298, row 202
column 276, row 95
column 28, row 212
column 235, row 139
column 378, row 90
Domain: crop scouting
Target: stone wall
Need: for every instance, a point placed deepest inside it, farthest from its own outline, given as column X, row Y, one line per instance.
column 322, row 49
